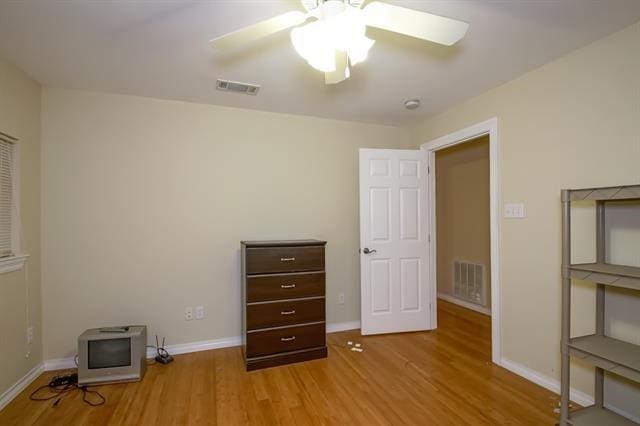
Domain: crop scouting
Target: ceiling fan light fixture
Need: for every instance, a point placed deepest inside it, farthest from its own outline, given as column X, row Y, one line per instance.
column 347, row 28
column 359, row 53
column 332, row 8
column 323, row 60
column 310, row 44
column 336, row 38
column 319, row 41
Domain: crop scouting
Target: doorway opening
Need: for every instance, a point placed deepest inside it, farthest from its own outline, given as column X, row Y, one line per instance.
column 463, row 249
column 464, row 234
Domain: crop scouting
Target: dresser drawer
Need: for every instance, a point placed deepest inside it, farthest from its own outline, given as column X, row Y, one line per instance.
column 289, row 286
column 277, row 314
column 284, row 259
column 260, row 343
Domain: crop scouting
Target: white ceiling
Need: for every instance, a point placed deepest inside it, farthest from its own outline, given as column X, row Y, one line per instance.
column 159, row 49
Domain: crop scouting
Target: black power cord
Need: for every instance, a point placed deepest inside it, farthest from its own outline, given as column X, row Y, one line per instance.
column 60, row 386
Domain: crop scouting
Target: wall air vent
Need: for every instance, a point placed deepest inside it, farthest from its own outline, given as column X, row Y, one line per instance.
column 469, row 282
column 237, row 87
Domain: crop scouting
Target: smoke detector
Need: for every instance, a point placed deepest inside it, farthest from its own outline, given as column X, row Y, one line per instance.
column 237, row 87
column 412, row 104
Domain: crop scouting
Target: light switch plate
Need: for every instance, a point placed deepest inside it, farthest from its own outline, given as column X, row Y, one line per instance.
column 514, row 211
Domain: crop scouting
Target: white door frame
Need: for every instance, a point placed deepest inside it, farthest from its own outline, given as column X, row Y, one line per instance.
column 489, row 127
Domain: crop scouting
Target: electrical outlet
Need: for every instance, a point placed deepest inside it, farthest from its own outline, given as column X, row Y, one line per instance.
column 514, row 211
column 188, row 313
column 29, row 335
column 199, row 312
column 341, row 298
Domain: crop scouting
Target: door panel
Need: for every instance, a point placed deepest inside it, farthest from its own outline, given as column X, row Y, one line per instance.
column 410, row 284
column 380, row 285
column 409, row 213
column 380, row 213
column 393, row 227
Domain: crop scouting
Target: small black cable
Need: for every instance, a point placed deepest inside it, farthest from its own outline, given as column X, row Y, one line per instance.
column 86, row 391
column 61, row 385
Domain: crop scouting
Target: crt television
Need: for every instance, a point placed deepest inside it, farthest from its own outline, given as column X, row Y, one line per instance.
column 112, row 355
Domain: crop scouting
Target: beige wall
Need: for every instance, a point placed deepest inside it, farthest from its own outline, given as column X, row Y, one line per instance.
column 20, row 118
column 146, row 201
column 572, row 123
column 462, row 211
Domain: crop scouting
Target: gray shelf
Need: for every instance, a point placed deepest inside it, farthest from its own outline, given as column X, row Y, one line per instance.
column 604, row 273
column 604, row 353
column 596, row 416
column 628, row 192
column 610, row 354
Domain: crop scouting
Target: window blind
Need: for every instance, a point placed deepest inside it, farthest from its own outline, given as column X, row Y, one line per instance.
column 6, row 197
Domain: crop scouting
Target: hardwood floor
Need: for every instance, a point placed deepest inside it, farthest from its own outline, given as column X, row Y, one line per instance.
column 427, row 378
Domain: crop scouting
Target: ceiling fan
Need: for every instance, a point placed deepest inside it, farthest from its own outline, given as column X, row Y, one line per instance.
column 336, row 38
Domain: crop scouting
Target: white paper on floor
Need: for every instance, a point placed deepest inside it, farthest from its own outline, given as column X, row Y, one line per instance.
column 357, row 347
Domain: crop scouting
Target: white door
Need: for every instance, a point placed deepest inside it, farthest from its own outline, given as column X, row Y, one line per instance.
column 393, row 241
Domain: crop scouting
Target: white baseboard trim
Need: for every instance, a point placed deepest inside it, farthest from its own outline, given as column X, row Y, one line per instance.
column 472, row 306
column 343, row 326
column 177, row 349
column 13, row 391
column 59, row 364
column 545, row 381
column 204, row 345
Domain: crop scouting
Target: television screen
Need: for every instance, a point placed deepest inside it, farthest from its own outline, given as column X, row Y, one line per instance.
column 109, row 353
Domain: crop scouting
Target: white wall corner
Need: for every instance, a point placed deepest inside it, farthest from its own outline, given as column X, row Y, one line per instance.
column 20, row 385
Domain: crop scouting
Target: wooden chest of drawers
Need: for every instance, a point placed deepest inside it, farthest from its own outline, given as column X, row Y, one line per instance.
column 283, row 302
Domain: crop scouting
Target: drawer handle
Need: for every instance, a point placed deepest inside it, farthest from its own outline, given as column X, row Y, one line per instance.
column 288, row 339
column 287, row 259
column 288, row 286
column 288, row 312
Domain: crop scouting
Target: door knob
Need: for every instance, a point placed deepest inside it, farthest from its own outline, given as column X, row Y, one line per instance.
column 368, row 251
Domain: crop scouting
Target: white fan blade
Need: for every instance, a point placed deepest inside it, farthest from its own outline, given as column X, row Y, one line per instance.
column 259, row 30
column 414, row 23
column 342, row 71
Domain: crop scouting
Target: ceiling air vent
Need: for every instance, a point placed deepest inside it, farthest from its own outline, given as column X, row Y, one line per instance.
column 237, row 87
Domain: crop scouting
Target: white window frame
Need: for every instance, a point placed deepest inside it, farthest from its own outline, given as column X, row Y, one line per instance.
column 18, row 259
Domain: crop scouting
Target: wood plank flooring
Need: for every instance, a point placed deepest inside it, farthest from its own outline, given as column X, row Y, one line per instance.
column 428, row 378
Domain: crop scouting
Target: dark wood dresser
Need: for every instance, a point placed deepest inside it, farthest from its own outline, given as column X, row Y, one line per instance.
column 283, row 302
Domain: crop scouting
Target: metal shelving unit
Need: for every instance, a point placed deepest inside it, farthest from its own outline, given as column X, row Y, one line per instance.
column 603, row 352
